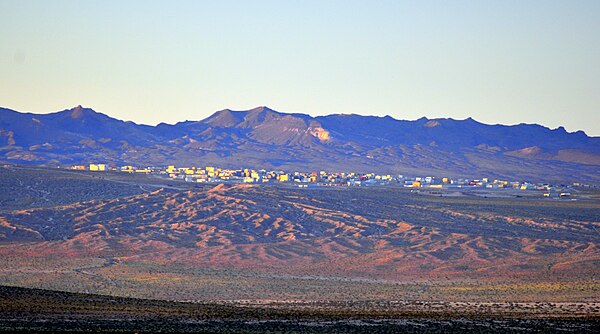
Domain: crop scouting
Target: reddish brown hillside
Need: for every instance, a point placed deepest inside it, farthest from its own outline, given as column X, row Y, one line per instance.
column 361, row 232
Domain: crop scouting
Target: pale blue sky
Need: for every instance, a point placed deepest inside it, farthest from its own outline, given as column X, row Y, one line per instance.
column 165, row 61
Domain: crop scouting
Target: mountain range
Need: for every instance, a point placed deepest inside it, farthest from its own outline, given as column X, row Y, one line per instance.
column 264, row 138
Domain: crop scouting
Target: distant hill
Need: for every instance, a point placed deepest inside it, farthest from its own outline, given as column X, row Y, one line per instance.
column 264, row 138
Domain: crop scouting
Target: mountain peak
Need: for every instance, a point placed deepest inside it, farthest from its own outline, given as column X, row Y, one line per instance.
column 261, row 109
column 230, row 118
column 76, row 112
column 79, row 112
column 261, row 114
column 225, row 118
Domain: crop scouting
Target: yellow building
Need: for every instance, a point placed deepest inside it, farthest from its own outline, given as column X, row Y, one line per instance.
column 127, row 169
column 283, row 178
column 98, row 167
column 445, row 180
column 416, row 184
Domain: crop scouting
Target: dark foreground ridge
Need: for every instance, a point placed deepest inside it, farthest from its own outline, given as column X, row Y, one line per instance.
column 37, row 310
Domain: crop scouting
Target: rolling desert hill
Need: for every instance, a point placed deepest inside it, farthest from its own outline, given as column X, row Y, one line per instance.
column 133, row 236
column 264, row 138
column 249, row 226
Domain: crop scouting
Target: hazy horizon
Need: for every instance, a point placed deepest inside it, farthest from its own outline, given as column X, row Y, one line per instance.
column 499, row 63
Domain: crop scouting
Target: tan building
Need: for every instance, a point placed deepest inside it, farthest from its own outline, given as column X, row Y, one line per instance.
column 98, row 167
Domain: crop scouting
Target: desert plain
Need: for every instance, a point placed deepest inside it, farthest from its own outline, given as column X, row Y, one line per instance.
column 281, row 258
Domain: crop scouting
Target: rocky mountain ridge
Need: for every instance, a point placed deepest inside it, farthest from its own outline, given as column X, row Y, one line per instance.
column 264, row 138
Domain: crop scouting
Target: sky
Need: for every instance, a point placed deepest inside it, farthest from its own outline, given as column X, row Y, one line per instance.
column 504, row 62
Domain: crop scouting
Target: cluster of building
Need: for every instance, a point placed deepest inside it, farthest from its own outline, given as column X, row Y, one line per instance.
column 321, row 179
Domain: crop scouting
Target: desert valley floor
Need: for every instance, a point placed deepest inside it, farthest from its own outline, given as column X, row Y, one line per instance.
column 386, row 252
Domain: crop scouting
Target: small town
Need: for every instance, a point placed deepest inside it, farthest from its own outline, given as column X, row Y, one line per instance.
column 210, row 174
